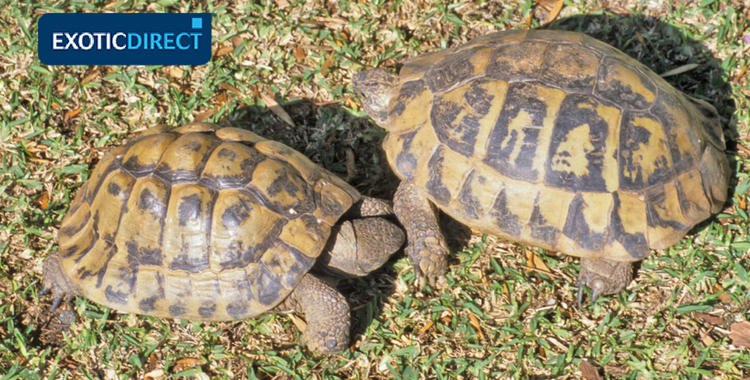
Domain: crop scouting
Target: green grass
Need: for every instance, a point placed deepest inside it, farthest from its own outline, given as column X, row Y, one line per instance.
column 494, row 318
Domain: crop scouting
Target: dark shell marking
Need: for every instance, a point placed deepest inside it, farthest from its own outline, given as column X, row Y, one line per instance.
column 578, row 146
column 435, row 186
column 631, row 162
column 540, row 227
column 515, row 136
column 180, row 224
column 406, row 163
column 472, row 205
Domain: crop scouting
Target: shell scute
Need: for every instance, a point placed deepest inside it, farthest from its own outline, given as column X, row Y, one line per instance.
column 238, row 135
column 627, row 239
column 691, row 195
column 570, row 67
column 497, row 39
column 188, row 228
column 583, row 145
column 645, row 158
column 545, row 222
column 241, row 232
column 448, row 73
column 471, row 204
column 665, row 219
column 523, row 128
column 142, row 157
column 230, row 165
column 625, row 86
column 517, row 62
column 408, row 92
column 183, row 160
column 506, row 221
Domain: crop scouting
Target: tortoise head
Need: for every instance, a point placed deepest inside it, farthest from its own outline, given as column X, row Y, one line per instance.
column 376, row 88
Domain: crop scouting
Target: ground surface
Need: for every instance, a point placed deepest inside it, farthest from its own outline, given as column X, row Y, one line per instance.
column 507, row 311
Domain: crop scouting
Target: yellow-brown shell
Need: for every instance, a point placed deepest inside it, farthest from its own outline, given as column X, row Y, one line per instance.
column 557, row 140
column 199, row 223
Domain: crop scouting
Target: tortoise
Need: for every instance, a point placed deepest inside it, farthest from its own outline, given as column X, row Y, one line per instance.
column 550, row 139
column 205, row 223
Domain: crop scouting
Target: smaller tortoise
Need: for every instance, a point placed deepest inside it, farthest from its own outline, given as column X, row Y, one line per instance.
column 551, row 139
column 210, row 224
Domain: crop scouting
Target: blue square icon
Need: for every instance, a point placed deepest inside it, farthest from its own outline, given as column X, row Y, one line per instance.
column 197, row 23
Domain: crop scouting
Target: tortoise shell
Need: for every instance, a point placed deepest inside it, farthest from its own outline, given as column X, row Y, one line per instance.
column 199, row 223
column 556, row 140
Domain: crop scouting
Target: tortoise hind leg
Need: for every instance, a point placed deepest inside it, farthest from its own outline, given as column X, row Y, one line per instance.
column 426, row 245
column 55, row 280
column 327, row 314
column 603, row 277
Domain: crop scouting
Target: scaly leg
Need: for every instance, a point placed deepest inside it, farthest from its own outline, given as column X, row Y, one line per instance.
column 426, row 245
column 603, row 277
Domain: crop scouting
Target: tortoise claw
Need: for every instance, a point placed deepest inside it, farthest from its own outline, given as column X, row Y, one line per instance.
column 597, row 288
column 603, row 277
column 55, row 303
column 595, row 294
column 423, row 278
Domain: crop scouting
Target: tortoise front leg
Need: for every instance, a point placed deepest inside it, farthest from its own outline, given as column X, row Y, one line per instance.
column 327, row 313
column 603, row 277
column 426, row 245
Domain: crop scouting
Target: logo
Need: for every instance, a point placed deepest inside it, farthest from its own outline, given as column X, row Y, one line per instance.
column 125, row 38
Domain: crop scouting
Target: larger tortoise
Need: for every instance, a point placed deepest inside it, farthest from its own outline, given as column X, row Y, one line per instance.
column 211, row 224
column 551, row 139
